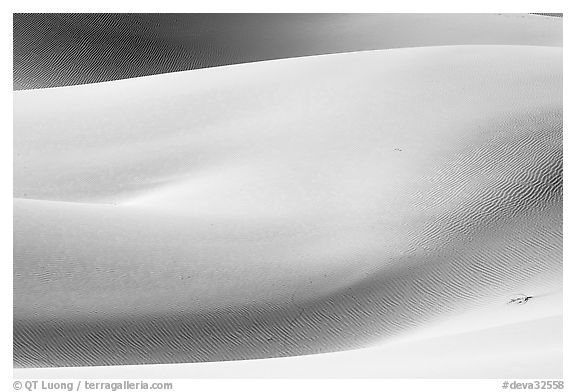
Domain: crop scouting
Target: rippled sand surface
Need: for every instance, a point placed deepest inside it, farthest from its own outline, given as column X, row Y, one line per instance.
column 288, row 207
column 52, row 50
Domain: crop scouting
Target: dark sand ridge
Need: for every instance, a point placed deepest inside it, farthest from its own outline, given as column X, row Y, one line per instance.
column 53, row 50
column 390, row 216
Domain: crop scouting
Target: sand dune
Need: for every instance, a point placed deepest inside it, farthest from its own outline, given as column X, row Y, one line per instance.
column 284, row 208
column 67, row 49
column 519, row 350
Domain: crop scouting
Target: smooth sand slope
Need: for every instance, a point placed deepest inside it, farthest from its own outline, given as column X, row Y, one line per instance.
column 287, row 207
column 67, row 49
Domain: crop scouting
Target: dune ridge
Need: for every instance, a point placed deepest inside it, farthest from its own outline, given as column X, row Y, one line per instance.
column 283, row 208
column 52, row 50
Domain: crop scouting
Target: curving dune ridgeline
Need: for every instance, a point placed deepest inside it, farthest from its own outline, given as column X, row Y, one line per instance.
column 284, row 208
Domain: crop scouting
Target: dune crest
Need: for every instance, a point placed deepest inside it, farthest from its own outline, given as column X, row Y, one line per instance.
column 91, row 48
column 283, row 208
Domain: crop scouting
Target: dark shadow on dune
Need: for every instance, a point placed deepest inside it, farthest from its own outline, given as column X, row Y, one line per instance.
column 52, row 50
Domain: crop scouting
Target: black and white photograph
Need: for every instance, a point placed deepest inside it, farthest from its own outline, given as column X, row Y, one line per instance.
column 287, row 195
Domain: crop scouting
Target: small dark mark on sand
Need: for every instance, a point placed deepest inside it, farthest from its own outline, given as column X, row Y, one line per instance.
column 520, row 299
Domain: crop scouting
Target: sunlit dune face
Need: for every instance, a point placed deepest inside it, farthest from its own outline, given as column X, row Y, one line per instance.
column 292, row 207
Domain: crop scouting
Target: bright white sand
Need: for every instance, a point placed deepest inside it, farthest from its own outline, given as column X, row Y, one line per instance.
column 295, row 207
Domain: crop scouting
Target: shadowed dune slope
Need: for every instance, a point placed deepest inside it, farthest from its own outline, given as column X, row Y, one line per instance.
column 53, row 50
column 551, row 14
column 522, row 350
column 283, row 208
